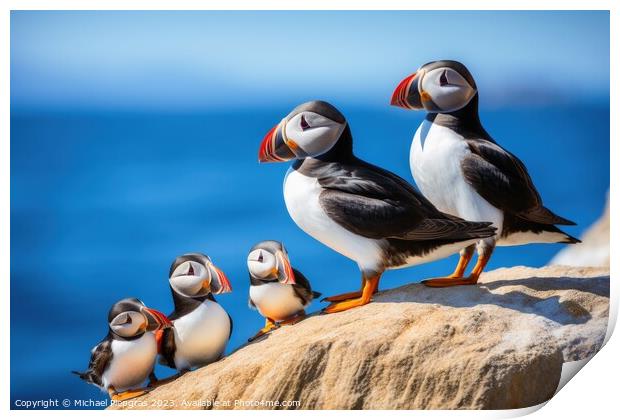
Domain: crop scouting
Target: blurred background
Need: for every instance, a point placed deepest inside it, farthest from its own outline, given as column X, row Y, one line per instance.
column 134, row 139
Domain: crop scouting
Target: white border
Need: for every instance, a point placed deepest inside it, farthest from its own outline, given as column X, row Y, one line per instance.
column 593, row 395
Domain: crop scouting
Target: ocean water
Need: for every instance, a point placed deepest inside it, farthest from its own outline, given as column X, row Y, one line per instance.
column 101, row 204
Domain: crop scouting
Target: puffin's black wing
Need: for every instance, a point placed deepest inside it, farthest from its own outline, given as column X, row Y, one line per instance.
column 231, row 325
column 167, row 348
column 378, row 204
column 100, row 357
column 502, row 179
column 302, row 288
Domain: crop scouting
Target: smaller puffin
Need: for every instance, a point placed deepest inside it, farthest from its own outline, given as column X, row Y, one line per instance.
column 279, row 292
column 125, row 358
column 201, row 327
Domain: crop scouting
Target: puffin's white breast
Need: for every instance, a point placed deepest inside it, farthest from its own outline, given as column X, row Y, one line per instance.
column 435, row 159
column 301, row 195
column 132, row 362
column 276, row 301
column 201, row 335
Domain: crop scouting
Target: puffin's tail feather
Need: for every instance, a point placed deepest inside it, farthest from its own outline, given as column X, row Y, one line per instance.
column 531, row 233
column 85, row 376
column 570, row 239
column 552, row 235
column 546, row 217
column 316, row 295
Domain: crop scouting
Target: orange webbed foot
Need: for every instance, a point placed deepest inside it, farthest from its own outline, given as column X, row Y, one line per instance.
column 370, row 285
column 343, row 296
column 345, row 305
column 129, row 394
column 269, row 326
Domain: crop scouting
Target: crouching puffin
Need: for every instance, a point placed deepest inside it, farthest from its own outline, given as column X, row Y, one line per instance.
column 201, row 327
column 125, row 358
column 460, row 168
column 365, row 213
column 279, row 292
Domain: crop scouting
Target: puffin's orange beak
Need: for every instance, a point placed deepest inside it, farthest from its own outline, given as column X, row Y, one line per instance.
column 157, row 320
column 273, row 147
column 406, row 94
column 221, row 283
column 285, row 270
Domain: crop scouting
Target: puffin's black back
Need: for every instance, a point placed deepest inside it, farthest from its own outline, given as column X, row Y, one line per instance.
column 99, row 360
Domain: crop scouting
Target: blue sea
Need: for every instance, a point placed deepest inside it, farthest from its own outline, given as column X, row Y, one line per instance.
column 102, row 202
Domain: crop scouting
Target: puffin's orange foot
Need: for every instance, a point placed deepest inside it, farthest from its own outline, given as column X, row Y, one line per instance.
column 370, row 285
column 129, row 394
column 451, row 281
column 344, row 296
column 345, row 305
column 265, row 330
column 294, row 319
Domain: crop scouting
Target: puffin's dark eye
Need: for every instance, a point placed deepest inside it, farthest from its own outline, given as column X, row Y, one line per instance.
column 128, row 320
column 443, row 79
column 260, row 255
column 190, row 272
column 304, row 124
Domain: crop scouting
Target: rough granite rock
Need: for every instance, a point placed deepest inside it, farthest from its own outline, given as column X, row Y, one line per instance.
column 497, row 345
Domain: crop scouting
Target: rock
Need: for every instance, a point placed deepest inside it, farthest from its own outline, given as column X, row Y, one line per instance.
column 497, row 345
column 593, row 251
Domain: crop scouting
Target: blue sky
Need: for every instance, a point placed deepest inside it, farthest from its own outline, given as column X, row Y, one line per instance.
column 203, row 60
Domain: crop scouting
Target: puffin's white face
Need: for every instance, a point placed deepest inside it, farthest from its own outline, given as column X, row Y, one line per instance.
column 271, row 265
column 303, row 133
column 446, row 89
column 195, row 275
column 129, row 324
column 440, row 86
column 191, row 279
column 262, row 264
column 309, row 134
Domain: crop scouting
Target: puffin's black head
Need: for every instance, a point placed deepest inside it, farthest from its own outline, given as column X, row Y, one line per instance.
column 268, row 262
column 130, row 318
column 439, row 86
column 310, row 130
column 194, row 275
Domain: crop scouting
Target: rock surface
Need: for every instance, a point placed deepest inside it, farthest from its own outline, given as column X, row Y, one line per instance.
column 593, row 251
column 497, row 345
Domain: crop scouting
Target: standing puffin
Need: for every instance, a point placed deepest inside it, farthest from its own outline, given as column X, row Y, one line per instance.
column 365, row 213
column 125, row 358
column 464, row 172
column 201, row 327
column 279, row 292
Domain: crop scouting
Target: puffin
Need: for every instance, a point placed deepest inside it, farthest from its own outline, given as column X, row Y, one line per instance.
column 464, row 172
column 125, row 358
column 201, row 328
column 361, row 211
column 278, row 291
